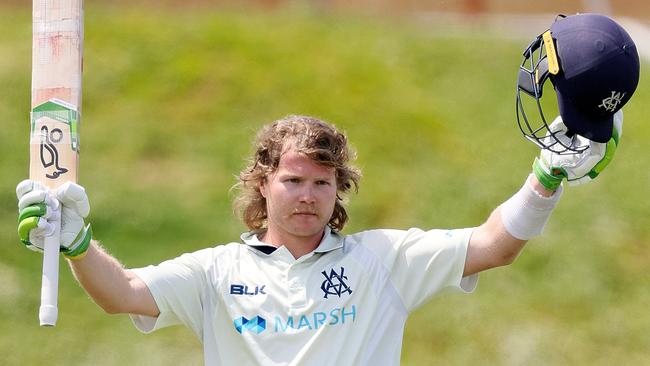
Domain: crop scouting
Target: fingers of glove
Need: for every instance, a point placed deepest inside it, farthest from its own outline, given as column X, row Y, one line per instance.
column 36, row 210
column 46, row 211
column 585, row 162
column 27, row 186
column 31, row 192
column 585, row 166
column 557, row 130
column 24, row 187
column 558, row 125
column 586, row 147
column 560, row 134
column 74, row 196
column 34, row 228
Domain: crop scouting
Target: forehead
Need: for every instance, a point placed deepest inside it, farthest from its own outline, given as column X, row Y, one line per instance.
column 293, row 162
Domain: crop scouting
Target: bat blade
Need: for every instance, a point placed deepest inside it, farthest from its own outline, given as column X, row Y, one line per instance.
column 57, row 53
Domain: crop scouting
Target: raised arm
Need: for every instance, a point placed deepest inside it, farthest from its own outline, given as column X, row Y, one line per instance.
column 501, row 238
column 492, row 244
column 114, row 288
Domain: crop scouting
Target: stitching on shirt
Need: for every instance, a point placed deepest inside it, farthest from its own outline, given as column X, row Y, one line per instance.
column 362, row 254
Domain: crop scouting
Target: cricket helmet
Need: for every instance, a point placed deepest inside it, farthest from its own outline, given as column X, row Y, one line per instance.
column 593, row 65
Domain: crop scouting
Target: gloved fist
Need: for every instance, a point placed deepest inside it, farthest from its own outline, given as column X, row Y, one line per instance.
column 39, row 208
column 551, row 168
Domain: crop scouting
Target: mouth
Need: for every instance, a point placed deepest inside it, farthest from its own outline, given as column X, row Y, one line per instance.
column 304, row 213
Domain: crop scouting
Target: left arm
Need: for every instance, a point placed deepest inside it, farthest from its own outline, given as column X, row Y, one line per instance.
column 501, row 238
column 491, row 245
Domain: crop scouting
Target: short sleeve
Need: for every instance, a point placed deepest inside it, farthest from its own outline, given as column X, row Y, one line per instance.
column 428, row 262
column 178, row 287
column 424, row 263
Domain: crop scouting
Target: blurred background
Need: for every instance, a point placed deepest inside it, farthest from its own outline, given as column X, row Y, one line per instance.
column 174, row 91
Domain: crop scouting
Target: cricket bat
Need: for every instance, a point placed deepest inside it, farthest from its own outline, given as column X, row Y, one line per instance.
column 57, row 49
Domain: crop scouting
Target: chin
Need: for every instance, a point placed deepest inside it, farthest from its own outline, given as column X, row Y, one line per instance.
column 309, row 232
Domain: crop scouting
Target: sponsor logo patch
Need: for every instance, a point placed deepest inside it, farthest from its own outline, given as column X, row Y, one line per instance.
column 238, row 289
column 316, row 320
column 255, row 325
column 310, row 321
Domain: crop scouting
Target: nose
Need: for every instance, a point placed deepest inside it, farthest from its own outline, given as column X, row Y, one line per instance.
column 307, row 194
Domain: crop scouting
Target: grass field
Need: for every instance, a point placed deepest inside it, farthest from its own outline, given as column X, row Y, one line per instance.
column 171, row 99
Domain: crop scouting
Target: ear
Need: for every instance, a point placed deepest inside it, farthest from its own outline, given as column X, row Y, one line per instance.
column 262, row 187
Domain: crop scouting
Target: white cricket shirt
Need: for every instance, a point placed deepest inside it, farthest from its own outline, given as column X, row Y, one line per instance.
column 345, row 303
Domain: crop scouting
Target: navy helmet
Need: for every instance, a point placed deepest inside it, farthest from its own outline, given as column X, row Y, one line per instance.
column 593, row 65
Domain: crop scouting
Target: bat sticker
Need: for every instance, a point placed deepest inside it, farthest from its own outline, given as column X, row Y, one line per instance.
column 49, row 153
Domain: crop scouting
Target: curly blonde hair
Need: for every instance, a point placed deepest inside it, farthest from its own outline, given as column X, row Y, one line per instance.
column 318, row 140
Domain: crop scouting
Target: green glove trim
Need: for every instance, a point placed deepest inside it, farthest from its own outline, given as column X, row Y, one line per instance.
column 80, row 244
column 25, row 226
column 549, row 181
column 33, row 210
column 615, row 136
column 610, row 150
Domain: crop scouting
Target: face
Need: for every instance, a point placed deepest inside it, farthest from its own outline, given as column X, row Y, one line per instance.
column 300, row 197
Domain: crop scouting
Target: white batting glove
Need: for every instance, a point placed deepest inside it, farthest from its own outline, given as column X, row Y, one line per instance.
column 38, row 208
column 551, row 168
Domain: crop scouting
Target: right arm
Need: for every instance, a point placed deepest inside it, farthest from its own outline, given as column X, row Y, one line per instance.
column 114, row 288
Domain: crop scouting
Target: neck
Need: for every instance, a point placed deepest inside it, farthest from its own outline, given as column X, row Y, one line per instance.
column 297, row 245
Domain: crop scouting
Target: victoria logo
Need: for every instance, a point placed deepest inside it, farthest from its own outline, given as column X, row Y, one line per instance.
column 256, row 325
column 335, row 283
column 611, row 103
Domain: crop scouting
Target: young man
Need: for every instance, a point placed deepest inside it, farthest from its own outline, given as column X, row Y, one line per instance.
column 295, row 290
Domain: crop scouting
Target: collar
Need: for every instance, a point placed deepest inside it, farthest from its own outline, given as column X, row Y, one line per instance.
column 332, row 240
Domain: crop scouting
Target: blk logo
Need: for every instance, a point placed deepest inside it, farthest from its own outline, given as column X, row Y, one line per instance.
column 335, row 283
column 256, row 325
column 243, row 290
column 610, row 103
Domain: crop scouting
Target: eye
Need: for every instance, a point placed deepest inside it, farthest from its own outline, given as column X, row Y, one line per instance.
column 293, row 180
column 323, row 183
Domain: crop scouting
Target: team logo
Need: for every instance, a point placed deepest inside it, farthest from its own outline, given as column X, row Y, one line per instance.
column 256, row 325
column 610, row 103
column 335, row 283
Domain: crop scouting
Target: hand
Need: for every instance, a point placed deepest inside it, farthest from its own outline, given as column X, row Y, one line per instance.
column 551, row 168
column 38, row 207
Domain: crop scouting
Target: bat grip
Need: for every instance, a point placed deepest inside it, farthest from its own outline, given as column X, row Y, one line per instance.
column 48, row 312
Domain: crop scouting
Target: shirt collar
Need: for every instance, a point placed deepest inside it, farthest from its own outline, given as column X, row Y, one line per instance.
column 331, row 240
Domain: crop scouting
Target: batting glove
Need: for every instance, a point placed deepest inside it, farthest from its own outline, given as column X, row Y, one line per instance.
column 552, row 168
column 38, row 208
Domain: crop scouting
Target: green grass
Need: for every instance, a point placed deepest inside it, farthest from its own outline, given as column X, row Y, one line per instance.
column 171, row 100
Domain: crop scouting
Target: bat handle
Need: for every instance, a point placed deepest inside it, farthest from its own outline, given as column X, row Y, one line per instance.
column 48, row 312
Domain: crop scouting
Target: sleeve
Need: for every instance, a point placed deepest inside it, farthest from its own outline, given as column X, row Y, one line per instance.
column 424, row 263
column 178, row 287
